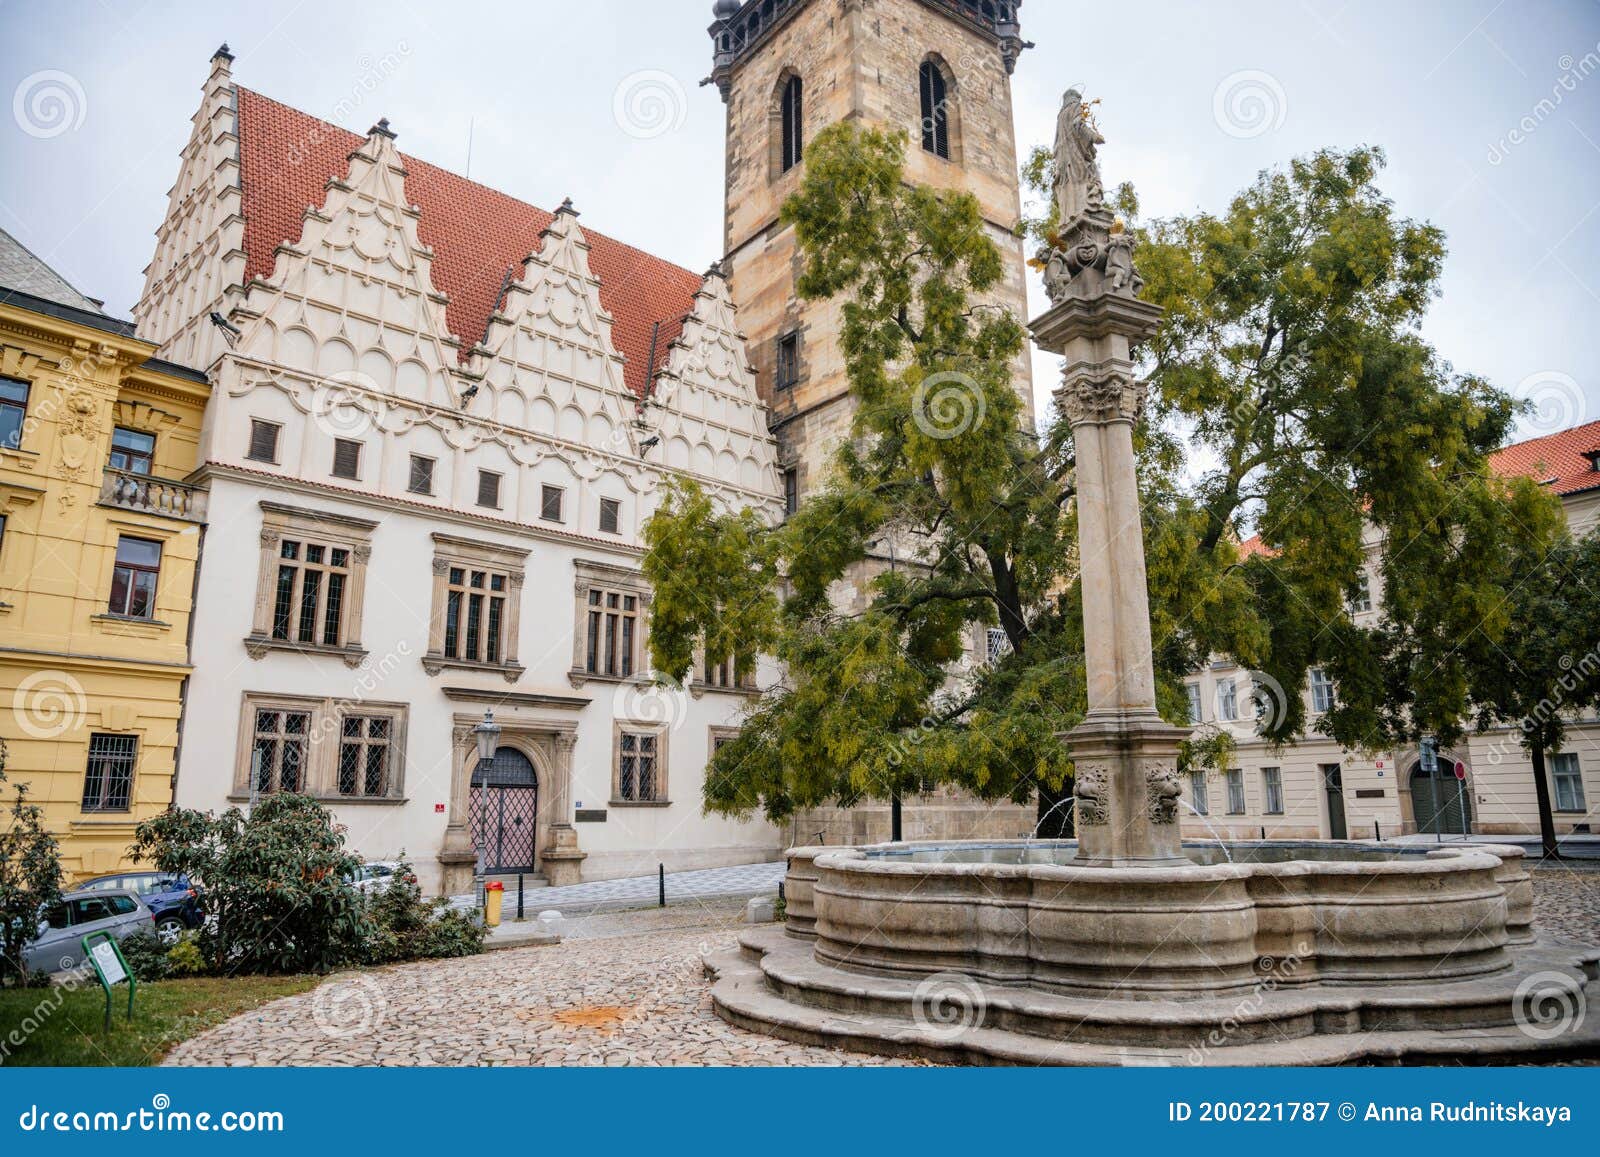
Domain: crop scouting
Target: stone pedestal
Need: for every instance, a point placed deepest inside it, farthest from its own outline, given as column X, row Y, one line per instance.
column 561, row 860
column 1127, row 791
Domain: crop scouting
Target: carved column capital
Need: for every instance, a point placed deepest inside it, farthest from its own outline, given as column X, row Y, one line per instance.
column 1087, row 396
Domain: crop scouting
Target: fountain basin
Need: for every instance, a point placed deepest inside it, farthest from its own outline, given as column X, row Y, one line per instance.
column 1271, row 952
column 1022, row 913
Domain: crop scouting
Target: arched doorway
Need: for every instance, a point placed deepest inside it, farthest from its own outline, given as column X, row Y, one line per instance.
column 503, row 812
column 1440, row 802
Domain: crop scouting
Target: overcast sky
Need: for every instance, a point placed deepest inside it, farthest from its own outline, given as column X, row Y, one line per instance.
column 600, row 101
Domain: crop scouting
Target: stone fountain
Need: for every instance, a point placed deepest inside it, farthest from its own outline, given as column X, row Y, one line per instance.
column 1126, row 945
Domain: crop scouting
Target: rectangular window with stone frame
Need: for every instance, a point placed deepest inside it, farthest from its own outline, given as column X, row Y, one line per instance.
column 477, row 597
column 333, row 749
column 311, row 589
column 1235, row 781
column 639, row 769
column 611, row 608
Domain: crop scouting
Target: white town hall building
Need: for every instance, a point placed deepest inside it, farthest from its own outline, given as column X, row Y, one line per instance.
column 440, row 419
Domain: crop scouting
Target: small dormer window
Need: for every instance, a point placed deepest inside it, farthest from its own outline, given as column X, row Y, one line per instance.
column 1594, row 459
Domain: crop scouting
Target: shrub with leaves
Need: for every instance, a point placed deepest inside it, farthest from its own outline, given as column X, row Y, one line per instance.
column 30, row 878
column 404, row 926
column 146, row 956
column 275, row 884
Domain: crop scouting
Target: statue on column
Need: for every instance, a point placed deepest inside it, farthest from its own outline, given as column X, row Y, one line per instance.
column 1078, row 187
column 1090, row 254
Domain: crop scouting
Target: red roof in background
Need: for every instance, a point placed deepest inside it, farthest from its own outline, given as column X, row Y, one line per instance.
column 1562, row 456
column 287, row 156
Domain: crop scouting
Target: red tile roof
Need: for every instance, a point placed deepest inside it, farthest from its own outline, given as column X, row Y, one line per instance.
column 1562, row 456
column 287, row 156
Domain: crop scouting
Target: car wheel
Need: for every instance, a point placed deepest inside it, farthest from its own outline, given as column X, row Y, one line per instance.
column 168, row 929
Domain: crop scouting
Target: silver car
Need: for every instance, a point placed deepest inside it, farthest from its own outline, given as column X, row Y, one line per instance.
column 63, row 925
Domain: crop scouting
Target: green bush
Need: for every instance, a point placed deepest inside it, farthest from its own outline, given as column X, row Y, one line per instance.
column 404, row 926
column 276, row 896
column 146, row 956
column 30, row 880
column 185, row 958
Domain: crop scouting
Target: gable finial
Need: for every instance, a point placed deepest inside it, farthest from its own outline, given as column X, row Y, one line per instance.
column 222, row 53
column 566, row 207
column 382, row 129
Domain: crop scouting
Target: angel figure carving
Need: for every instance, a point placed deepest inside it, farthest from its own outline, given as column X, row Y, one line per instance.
column 1078, row 187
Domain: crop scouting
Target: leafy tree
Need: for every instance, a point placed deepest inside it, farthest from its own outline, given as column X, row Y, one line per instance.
column 30, row 878
column 1290, row 393
column 1290, row 359
column 1541, row 675
column 275, row 884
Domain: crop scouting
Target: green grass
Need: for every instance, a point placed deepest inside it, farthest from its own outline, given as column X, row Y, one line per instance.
column 58, row 1027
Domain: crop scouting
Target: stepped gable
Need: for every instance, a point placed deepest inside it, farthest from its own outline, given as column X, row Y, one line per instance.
column 477, row 233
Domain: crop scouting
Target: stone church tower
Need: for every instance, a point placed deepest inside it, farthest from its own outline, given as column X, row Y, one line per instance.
column 787, row 69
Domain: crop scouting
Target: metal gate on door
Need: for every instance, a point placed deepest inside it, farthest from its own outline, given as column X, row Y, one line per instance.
column 503, row 813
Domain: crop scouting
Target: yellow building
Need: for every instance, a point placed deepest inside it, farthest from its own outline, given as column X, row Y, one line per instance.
column 99, row 542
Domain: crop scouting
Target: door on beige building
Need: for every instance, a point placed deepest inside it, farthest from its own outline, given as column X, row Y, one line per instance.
column 1440, row 801
column 503, row 812
column 1333, row 788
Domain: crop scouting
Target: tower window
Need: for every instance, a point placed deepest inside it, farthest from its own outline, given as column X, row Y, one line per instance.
column 935, row 111
column 790, row 113
column 788, row 361
column 791, row 491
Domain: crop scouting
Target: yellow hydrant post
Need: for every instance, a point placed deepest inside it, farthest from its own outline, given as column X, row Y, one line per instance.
column 494, row 894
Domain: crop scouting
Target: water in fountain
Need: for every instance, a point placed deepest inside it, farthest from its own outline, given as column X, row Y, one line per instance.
column 1203, row 818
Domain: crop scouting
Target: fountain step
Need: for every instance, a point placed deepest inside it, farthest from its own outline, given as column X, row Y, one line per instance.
column 785, row 991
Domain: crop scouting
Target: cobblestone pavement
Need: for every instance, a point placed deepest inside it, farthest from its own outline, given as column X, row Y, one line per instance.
column 638, row 891
column 1566, row 902
column 624, row 988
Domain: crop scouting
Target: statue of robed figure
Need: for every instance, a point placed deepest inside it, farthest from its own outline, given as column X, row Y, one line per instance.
column 1078, row 187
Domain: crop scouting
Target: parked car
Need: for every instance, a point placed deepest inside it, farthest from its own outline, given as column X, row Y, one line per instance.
column 64, row 924
column 176, row 902
column 376, row 876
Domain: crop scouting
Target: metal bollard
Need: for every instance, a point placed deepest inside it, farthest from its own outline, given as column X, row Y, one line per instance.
column 519, row 895
column 661, row 876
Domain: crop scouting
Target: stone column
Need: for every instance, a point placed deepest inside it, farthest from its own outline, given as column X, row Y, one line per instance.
column 458, row 862
column 1126, row 756
column 562, row 859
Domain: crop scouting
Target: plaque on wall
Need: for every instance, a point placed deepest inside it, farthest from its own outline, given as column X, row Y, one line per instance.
column 1369, row 793
column 590, row 816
